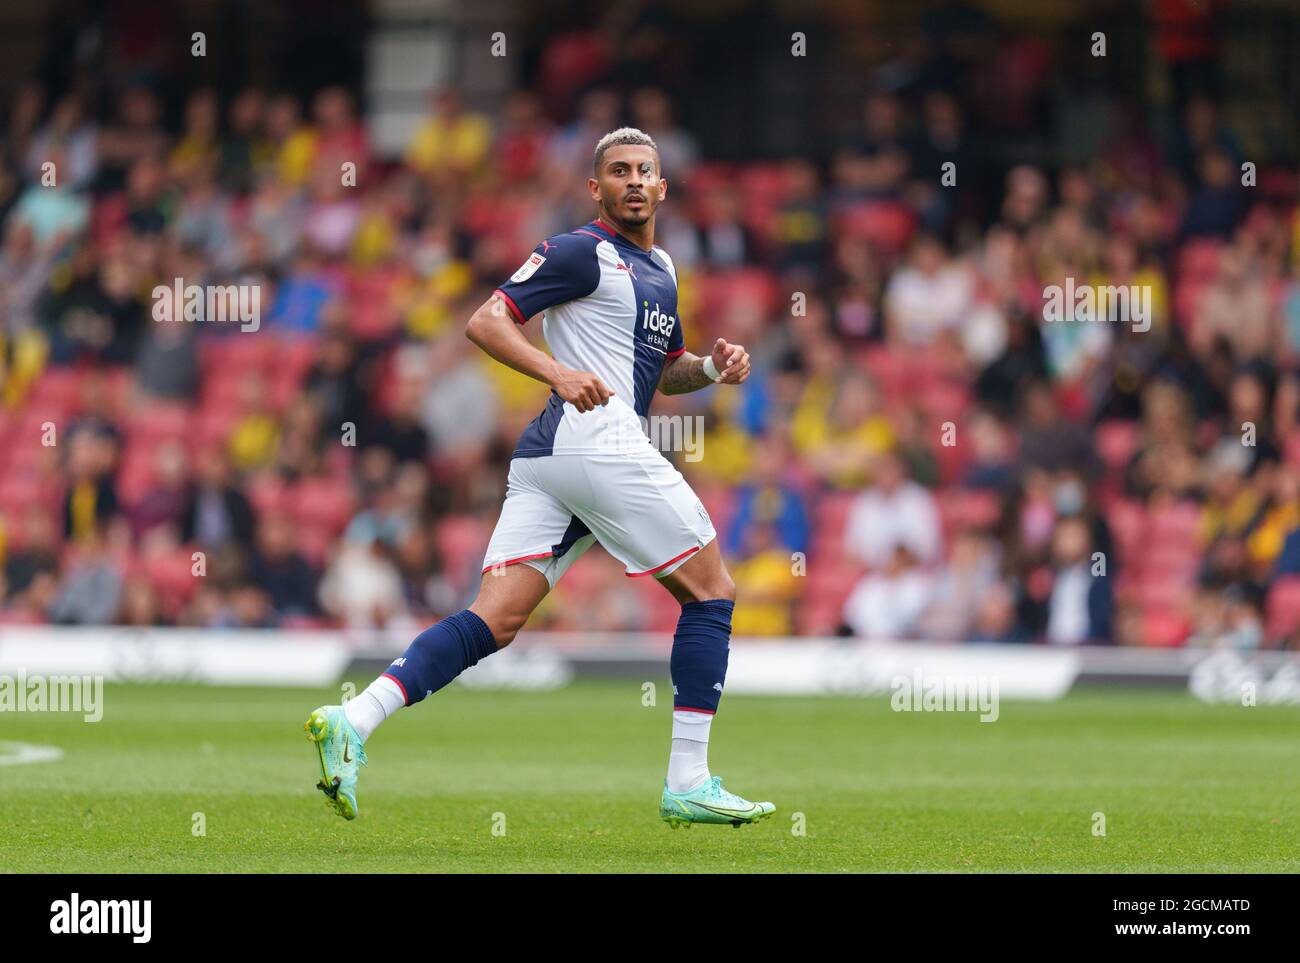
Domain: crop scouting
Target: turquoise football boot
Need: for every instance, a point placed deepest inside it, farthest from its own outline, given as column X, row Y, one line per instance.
column 710, row 803
column 342, row 754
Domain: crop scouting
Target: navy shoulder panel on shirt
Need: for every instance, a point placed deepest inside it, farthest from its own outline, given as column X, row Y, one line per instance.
column 562, row 268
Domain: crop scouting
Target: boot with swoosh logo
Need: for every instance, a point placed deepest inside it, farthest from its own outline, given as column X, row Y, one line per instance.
column 342, row 754
column 710, row 803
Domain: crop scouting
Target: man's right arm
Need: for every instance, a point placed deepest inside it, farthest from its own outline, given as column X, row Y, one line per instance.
column 493, row 329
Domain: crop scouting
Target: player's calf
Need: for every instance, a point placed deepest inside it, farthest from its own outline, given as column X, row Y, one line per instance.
column 443, row 651
column 698, row 665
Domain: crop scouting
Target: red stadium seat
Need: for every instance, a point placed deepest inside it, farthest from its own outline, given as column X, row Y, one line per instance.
column 1177, row 524
column 58, row 389
column 321, row 503
column 886, row 224
column 268, row 494
column 157, row 422
column 1164, row 628
column 235, row 354
column 459, row 537
column 172, row 574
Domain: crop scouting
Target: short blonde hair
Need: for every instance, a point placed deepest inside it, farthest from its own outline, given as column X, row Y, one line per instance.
column 621, row 137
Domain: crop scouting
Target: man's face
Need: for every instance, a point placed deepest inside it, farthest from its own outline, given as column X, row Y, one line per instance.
column 628, row 186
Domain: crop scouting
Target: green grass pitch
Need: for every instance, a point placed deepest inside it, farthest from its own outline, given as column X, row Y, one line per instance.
column 577, row 774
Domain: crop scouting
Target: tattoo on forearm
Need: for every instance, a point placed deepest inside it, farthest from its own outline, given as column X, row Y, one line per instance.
column 683, row 374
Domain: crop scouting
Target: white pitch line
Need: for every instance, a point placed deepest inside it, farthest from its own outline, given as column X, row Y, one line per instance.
column 17, row 753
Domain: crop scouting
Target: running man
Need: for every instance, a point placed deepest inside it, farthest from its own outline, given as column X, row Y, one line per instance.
column 584, row 471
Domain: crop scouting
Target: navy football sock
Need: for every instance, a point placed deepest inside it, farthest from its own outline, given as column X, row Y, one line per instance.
column 440, row 653
column 699, row 659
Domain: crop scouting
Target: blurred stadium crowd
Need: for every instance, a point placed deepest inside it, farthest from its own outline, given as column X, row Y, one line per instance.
column 919, row 454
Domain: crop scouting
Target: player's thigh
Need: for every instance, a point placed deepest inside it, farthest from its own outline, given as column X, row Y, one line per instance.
column 507, row 595
column 534, row 530
column 701, row 577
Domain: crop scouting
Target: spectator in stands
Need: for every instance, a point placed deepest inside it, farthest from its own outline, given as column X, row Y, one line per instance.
column 801, row 230
column 928, row 298
column 996, row 619
column 92, row 588
column 197, row 147
column 52, row 216
column 38, row 557
column 73, row 137
column 520, row 149
column 764, row 573
column 166, row 500
column 140, row 604
column 334, row 384
column 893, row 513
column 1217, row 204
column 460, row 406
column 889, row 603
column 1229, row 618
column 340, row 135
column 1026, row 197
column 991, row 466
column 1238, row 308
column 136, row 133
column 1048, row 440
column 217, row 514
column 837, row 426
column 244, row 149
column 91, row 502
column 400, row 431
column 362, row 588
column 255, row 436
column 1166, row 459
column 959, row 588
column 301, row 451
column 767, row 498
column 167, row 365
column 451, row 144
column 1081, row 603
column 429, row 594
column 281, row 571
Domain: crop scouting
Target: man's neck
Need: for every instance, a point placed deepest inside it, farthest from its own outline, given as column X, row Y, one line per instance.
column 642, row 235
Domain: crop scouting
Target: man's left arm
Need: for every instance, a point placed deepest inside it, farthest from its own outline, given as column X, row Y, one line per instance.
column 687, row 372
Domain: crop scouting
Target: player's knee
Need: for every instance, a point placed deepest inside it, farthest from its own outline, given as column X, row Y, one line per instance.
column 719, row 585
column 504, row 625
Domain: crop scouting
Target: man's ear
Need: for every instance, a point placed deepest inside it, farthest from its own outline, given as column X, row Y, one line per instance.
column 663, row 188
column 593, row 186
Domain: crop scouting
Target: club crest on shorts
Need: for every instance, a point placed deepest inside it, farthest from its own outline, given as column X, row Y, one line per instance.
column 528, row 268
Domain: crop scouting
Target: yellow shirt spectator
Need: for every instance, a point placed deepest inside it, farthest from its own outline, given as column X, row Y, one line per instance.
column 458, row 143
column 765, row 589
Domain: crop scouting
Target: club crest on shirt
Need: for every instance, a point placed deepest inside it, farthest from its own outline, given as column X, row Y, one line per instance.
column 528, row 268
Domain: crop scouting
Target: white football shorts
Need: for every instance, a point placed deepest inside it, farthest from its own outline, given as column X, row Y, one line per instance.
column 637, row 505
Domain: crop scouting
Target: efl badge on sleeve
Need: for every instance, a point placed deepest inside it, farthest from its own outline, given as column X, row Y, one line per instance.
column 528, row 268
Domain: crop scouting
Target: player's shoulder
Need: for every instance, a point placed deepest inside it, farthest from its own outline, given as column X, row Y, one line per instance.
column 580, row 244
column 561, row 255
